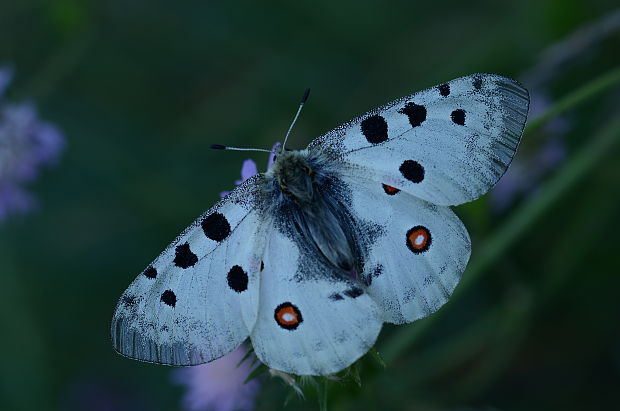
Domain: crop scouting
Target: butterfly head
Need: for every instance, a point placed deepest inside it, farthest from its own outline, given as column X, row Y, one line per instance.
column 295, row 174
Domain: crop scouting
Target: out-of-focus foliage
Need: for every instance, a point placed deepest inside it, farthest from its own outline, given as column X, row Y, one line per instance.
column 141, row 89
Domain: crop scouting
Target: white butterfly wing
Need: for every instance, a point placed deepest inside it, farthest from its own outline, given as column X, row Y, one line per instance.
column 199, row 299
column 395, row 169
column 448, row 144
column 309, row 322
column 416, row 261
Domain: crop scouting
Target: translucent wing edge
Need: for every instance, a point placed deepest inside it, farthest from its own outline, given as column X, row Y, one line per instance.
column 515, row 100
column 129, row 343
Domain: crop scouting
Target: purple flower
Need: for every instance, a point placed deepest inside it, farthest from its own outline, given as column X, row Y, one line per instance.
column 26, row 145
column 249, row 168
column 218, row 385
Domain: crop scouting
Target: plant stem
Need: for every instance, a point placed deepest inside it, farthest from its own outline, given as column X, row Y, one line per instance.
column 323, row 395
column 582, row 94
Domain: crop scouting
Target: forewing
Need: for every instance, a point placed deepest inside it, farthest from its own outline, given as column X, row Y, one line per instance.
column 198, row 300
column 310, row 322
column 448, row 144
column 416, row 260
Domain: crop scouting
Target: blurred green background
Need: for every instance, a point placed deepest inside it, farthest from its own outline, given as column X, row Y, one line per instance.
column 142, row 88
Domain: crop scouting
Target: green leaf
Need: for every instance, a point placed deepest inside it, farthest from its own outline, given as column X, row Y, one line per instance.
column 322, row 394
column 581, row 95
column 254, row 361
column 290, row 396
column 289, row 379
column 354, row 373
column 375, row 354
column 310, row 380
column 261, row 369
column 246, row 356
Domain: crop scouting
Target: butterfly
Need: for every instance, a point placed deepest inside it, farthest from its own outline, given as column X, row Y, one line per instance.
column 309, row 259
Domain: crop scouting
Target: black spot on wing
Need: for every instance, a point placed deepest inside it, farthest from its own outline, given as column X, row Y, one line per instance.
column 374, row 272
column 377, row 270
column 168, row 298
column 375, row 129
column 237, row 279
column 336, row 297
column 415, row 113
column 444, row 90
column 458, row 117
column 354, row 292
column 215, row 227
column 184, row 257
column 150, row 272
column 412, row 171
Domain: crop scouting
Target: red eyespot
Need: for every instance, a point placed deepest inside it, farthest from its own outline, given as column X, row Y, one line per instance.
column 389, row 190
column 288, row 316
column 418, row 239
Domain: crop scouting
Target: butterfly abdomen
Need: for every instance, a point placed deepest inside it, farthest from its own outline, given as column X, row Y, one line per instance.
column 307, row 198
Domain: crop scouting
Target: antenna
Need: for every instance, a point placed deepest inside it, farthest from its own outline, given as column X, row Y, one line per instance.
column 221, row 147
column 303, row 101
column 304, row 98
